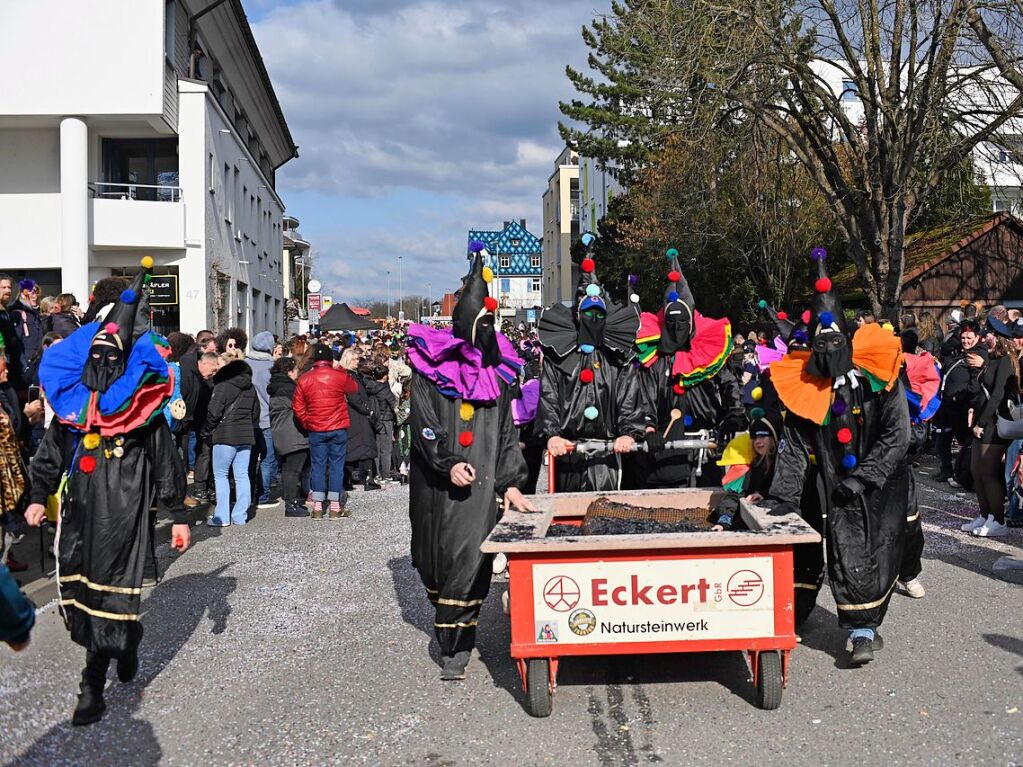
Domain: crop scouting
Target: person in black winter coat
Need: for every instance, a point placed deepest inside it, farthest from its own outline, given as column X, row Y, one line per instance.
column 362, row 441
column 63, row 321
column 231, row 426
column 959, row 386
column 28, row 325
column 384, row 404
column 291, row 443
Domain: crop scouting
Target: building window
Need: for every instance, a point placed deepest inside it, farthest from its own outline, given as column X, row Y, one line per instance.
column 516, row 242
column 534, row 262
column 849, row 91
column 505, row 262
column 505, row 285
column 1002, row 205
column 168, row 30
column 534, row 285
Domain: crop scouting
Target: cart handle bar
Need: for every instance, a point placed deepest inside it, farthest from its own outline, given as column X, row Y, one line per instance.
column 600, row 446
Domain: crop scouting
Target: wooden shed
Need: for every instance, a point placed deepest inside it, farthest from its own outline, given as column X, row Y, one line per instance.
column 977, row 260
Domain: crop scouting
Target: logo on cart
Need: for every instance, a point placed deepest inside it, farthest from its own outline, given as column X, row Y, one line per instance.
column 546, row 632
column 745, row 588
column 582, row 622
column 561, row 593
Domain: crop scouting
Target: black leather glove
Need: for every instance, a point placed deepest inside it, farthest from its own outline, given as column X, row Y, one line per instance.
column 654, row 442
column 727, row 431
column 847, row 489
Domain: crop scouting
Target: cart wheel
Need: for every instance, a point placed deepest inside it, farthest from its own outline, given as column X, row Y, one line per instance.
column 769, row 682
column 538, row 687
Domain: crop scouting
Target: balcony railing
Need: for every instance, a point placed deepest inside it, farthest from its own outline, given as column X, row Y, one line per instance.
column 105, row 190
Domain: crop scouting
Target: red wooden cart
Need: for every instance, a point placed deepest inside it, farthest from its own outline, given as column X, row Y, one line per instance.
column 659, row 593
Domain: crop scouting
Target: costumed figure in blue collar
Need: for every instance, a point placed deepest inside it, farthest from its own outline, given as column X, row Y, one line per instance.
column 686, row 384
column 108, row 454
column 847, row 426
column 465, row 453
column 588, row 388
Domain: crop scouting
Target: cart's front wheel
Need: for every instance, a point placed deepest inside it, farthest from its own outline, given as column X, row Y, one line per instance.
column 538, row 687
column 769, row 680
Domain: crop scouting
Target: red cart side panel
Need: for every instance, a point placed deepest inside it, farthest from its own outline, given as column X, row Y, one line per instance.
column 645, row 608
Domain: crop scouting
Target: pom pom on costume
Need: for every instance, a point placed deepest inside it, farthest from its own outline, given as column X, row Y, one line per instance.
column 490, row 304
column 673, row 296
column 634, row 298
column 672, row 253
column 588, row 265
column 586, row 348
column 687, row 421
column 827, row 319
column 844, row 436
column 91, row 441
column 823, row 285
column 674, row 276
column 757, row 394
column 761, row 304
column 466, row 411
column 633, row 279
column 783, row 315
column 586, row 376
column 838, row 408
column 488, row 274
column 146, row 262
column 818, row 254
column 757, row 412
column 888, row 326
column 591, row 413
column 588, row 238
column 593, row 290
column 111, row 328
column 679, row 389
column 800, row 337
column 87, row 464
column 465, row 438
column 128, row 296
column 849, row 462
column 476, row 246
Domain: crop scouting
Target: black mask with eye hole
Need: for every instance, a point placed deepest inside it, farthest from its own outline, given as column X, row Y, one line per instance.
column 105, row 363
column 678, row 328
column 486, row 340
column 591, row 327
column 830, row 355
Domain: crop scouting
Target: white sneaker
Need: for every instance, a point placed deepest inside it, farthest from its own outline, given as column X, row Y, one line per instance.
column 969, row 527
column 991, row 529
column 952, row 482
column 913, row 588
column 500, row 563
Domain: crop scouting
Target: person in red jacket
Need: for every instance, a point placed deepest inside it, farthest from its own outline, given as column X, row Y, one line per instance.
column 321, row 408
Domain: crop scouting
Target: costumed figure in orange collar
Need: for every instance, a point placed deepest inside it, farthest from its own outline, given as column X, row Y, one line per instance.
column 108, row 454
column 847, row 425
column 685, row 382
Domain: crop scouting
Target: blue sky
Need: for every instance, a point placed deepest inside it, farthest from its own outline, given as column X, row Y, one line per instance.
column 416, row 121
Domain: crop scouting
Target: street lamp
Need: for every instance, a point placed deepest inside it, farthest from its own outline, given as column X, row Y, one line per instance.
column 388, row 295
column 401, row 306
column 429, row 294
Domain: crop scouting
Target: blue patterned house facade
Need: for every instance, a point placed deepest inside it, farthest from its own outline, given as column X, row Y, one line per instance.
column 516, row 256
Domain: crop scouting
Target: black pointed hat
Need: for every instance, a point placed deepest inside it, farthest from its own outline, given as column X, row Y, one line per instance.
column 475, row 299
column 587, row 297
column 678, row 287
column 128, row 319
column 826, row 312
column 782, row 323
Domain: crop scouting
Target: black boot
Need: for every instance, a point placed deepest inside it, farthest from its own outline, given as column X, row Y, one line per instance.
column 128, row 664
column 453, row 666
column 91, row 705
column 370, row 484
column 295, row 509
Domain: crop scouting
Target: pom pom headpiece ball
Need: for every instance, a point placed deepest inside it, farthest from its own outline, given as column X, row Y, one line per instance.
column 783, row 315
column 823, row 285
column 633, row 279
column 147, row 262
column 761, row 304
column 588, row 238
column 488, row 274
column 476, row 246
column 465, row 438
column 806, row 317
column 672, row 253
column 849, row 461
column 593, row 290
column 757, row 412
column 591, row 413
column 588, row 265
column 818, row 254
column 674, row 276
column 111, row 328
column 586, row 375
column 827, row 319
column 673, row 296
column 844, row 436
column 128, row 296
column 490, row 304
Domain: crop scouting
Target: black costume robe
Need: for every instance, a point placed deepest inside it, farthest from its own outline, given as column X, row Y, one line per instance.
column 564, row 399
column 714, row 405
column 450, row 523
column 104, row 534
column 864, row 536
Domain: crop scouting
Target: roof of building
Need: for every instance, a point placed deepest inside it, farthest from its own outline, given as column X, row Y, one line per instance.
column 515, row 241
column 926, row 250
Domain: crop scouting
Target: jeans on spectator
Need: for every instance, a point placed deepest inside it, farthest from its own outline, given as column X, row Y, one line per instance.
column 232, row 458
column 385, row 442
column 191, row 450
column 292, row 467
column 943, row 447
column 202, row 475
column 1014, row 511
column 264, row 465
column 327, row 451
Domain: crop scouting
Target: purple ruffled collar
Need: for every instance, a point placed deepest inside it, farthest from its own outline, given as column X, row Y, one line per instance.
column 456, row 367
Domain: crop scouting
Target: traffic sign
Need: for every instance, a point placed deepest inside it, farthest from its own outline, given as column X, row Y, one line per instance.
column 314, row 286
column 328, row 302
column 315, row 304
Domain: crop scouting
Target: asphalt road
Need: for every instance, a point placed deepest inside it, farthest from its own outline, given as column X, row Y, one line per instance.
column 292, row 642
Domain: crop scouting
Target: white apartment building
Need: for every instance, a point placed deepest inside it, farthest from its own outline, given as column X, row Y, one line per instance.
column 596, row 188
column 143, row 127
column 561, row 229
column 1002, row 169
